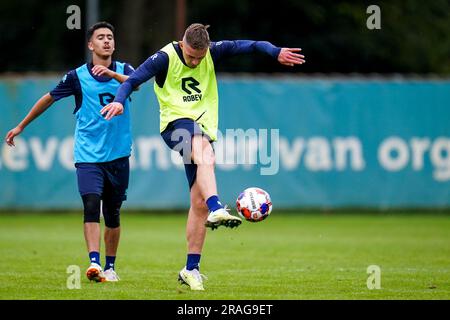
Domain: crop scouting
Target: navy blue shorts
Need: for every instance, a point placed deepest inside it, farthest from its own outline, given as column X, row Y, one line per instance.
column 107, row 179
column 178, row 136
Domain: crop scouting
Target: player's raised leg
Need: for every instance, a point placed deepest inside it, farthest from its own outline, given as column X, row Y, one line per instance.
column 203, row 157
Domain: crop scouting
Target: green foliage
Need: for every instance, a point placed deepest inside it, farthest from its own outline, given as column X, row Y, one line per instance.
column 333, row 34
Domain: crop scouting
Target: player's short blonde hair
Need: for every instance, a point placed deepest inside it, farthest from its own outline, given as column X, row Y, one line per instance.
column 197, row 36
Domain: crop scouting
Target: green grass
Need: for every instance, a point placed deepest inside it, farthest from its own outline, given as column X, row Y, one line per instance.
column 288, row 256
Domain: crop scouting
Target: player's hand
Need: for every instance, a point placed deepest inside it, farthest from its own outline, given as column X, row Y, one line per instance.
column 99, row 70
column 290, row 57
column 111, row 110
column 11, row 134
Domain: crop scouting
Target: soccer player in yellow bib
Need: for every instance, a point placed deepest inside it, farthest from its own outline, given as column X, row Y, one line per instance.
column 186, row 88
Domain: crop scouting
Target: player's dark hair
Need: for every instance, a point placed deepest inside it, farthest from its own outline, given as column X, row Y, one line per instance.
column 98, row 25
column 197, row 36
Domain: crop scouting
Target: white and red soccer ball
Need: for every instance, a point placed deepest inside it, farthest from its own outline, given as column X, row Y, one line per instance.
column 254, row 204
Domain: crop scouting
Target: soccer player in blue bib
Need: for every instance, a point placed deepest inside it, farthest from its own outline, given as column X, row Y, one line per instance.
column 102, row 147
column 186, row 88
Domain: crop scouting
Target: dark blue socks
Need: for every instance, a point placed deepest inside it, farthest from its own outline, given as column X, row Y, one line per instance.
column 213, row 203
column 109, row 262
column 94, row 256
column 193, row 261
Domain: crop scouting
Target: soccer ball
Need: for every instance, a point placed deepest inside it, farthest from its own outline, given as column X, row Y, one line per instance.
column 254, row 204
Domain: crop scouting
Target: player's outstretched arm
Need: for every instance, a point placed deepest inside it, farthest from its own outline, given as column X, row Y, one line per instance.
column 291, row 57
column 39, row 107
column 111, row 110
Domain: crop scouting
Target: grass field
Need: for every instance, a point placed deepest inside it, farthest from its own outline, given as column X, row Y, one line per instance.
column 288, row 256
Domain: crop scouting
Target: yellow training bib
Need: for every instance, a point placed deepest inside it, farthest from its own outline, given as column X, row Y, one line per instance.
column 189, row 93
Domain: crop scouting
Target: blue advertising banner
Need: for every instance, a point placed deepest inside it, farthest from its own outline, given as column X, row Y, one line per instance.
column 324, row 143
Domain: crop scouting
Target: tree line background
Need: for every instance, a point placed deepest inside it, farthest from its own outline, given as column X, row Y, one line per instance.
column 413, row 39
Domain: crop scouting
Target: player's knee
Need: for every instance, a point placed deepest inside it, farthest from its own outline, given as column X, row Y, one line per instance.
column 198, row 204
column 111, row 214
column 204, row 157
column 209, row 158
column 91, row 204
column 202, row 152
